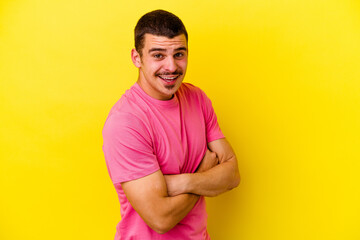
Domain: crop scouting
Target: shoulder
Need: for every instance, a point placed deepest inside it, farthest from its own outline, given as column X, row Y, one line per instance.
column 190, row 90
column 126, row 115
column 126, row 104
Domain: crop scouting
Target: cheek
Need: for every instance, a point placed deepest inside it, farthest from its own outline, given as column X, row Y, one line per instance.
column 154, row 69
column 151, row 71
column 183, row 64
column 183, row 67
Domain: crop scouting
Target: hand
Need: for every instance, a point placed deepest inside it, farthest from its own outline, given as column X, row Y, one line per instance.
column 178, row 183
column 209, row 161
column 175, row 184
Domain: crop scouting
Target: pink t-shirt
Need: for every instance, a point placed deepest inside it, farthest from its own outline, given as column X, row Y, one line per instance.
column 142, row 135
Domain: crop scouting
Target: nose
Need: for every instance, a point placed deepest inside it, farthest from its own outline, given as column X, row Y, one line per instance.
column 171, row 64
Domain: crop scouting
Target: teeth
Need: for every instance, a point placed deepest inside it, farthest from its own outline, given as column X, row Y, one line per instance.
column 168, row 78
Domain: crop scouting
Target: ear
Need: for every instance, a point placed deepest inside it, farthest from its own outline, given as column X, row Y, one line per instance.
column 135, row 57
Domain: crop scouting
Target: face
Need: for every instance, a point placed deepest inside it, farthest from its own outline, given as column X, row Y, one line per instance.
column 162, row 66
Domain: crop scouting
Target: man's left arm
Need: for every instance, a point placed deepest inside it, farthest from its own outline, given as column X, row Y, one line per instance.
column 212, row 182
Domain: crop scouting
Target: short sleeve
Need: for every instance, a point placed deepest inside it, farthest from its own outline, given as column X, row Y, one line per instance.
column 128, row 148
column 213, row 131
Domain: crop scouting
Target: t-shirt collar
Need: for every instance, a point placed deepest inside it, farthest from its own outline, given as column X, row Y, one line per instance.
column 165, row 103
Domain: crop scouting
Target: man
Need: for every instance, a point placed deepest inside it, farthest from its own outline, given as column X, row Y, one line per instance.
column 163, row 146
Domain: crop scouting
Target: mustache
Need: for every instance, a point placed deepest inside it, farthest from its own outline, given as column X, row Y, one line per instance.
column 170, row 73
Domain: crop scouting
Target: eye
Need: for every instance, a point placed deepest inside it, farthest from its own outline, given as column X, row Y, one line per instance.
column 179, row 55
column 158, row 56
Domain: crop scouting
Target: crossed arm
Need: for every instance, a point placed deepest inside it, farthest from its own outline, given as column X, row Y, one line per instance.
column 163, row 201
column 214, row 180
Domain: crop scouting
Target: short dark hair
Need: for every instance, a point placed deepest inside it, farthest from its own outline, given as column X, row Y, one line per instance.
column 159, row 23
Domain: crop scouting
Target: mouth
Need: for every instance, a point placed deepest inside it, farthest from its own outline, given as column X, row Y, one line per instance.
column 169, row 79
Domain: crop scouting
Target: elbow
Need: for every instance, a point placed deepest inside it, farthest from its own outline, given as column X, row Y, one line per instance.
column 160, row 218
column 236, row 180
column 162, row 226
column 233, row 182
column 161, row 222
column 235, row 176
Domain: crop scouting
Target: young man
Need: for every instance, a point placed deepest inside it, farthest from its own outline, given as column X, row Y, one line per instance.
column 162, row 143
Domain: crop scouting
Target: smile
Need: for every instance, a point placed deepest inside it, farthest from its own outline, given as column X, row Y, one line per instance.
column 169, row 78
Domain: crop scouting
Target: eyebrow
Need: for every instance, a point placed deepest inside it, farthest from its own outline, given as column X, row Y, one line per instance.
column 181, row 48
column 164, row 50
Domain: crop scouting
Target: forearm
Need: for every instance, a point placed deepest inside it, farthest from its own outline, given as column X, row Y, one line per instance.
column 171, row 210
column 150, row 199
column 214, row 181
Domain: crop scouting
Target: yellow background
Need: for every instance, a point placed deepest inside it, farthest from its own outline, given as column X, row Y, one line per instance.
column 284, row 78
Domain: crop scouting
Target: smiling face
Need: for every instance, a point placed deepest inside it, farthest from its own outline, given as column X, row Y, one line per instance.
column 162, row 65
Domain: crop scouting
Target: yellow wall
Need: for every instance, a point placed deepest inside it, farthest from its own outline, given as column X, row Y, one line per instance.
column 284, row 78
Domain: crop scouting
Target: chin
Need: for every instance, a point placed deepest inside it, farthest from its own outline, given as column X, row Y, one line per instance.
column 168, row 93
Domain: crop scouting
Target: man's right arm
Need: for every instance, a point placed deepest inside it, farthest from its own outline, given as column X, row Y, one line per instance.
column 149, row 197
column 126, row 139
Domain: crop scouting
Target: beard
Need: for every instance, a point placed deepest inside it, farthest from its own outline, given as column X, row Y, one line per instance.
column 170, row 87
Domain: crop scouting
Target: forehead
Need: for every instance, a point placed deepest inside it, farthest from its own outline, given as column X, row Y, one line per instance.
column 153, row 41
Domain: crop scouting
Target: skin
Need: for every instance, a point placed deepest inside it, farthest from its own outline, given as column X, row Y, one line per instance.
column 150, row 199
column 161, row 58
column 217, row 179
column 164, row 200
